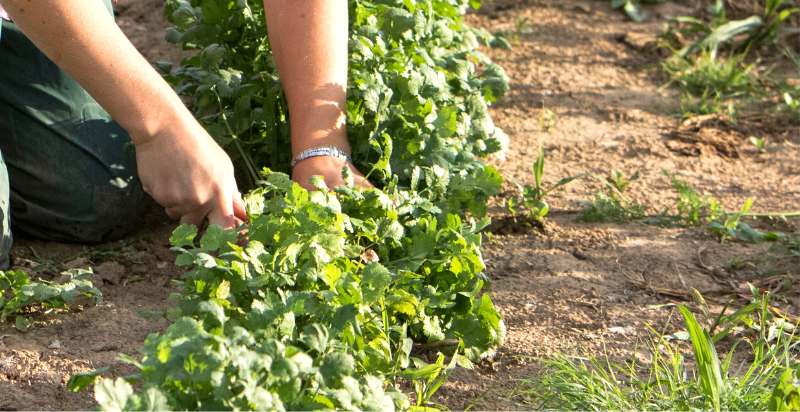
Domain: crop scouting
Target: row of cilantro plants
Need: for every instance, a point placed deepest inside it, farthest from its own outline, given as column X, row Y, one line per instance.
column 344, row 299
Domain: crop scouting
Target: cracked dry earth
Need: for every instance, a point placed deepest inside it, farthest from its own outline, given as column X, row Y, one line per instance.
column 569, row 287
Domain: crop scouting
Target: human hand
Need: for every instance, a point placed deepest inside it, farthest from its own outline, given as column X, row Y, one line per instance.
column 330, row 168
column 187, row 173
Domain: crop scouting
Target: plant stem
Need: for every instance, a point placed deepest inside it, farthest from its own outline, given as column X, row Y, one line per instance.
column 783, row 215
column 251, row 168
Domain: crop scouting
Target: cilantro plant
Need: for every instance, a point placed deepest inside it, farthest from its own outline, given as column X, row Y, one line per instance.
column 19, row 294
column 320, row 308
column 417, row 99
column 333, row 299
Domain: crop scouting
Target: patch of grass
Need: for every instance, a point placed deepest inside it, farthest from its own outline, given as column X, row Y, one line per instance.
column 791, row 91
column 710, row 84
column 758, row 372
column 716, row 61
column 694, row 208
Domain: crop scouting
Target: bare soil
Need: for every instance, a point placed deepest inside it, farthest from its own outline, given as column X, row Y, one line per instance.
column 568, row 287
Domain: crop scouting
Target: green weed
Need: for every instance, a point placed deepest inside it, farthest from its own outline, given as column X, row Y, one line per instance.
column 522, row 27
column 791, row 92
column 531, row 201
column 739, row 37
column 611, row 204
column 548, row 120
column 694, row 208
column 759, row 143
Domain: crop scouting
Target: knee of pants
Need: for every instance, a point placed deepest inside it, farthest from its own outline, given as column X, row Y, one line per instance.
column 95, row 212
column 116, row 212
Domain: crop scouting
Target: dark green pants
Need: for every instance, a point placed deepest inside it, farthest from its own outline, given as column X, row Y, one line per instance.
column 67, row 171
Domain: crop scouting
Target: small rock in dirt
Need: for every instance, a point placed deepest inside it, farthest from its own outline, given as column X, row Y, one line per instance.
column 77, row 263
column 106, row 348
column 621, row 330
column 580, row 255
column 161, row 265
column 642, row 42
column 23, row 263
column 582, row 8
column 140, row 269
column 55, row 344
column 110, row 272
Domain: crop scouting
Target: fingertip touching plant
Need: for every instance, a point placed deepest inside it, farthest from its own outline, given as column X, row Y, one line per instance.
column 321, row 307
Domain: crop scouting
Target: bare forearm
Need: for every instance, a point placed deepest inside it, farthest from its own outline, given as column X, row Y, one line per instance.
column 309, row 42
column 82, row 39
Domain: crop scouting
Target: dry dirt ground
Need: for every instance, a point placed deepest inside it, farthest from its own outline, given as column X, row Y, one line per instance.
column 569, row 287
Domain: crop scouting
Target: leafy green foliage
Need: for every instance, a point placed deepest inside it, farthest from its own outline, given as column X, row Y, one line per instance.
column 417, row 99
column 765, row 378
column 83, row 380
column 786, row 396
column 322, row 304
column 18, row 293
column 320, row 308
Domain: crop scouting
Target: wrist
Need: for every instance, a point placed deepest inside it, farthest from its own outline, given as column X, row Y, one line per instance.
column 316, row 125
column 320, row 139
column 161, row 121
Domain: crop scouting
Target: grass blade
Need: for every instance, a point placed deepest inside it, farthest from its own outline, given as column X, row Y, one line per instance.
column 708, row 365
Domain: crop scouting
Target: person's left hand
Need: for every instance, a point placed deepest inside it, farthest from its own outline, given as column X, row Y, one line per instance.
column 330, row 168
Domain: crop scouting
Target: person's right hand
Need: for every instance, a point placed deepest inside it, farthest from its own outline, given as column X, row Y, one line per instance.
column 187, row 173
